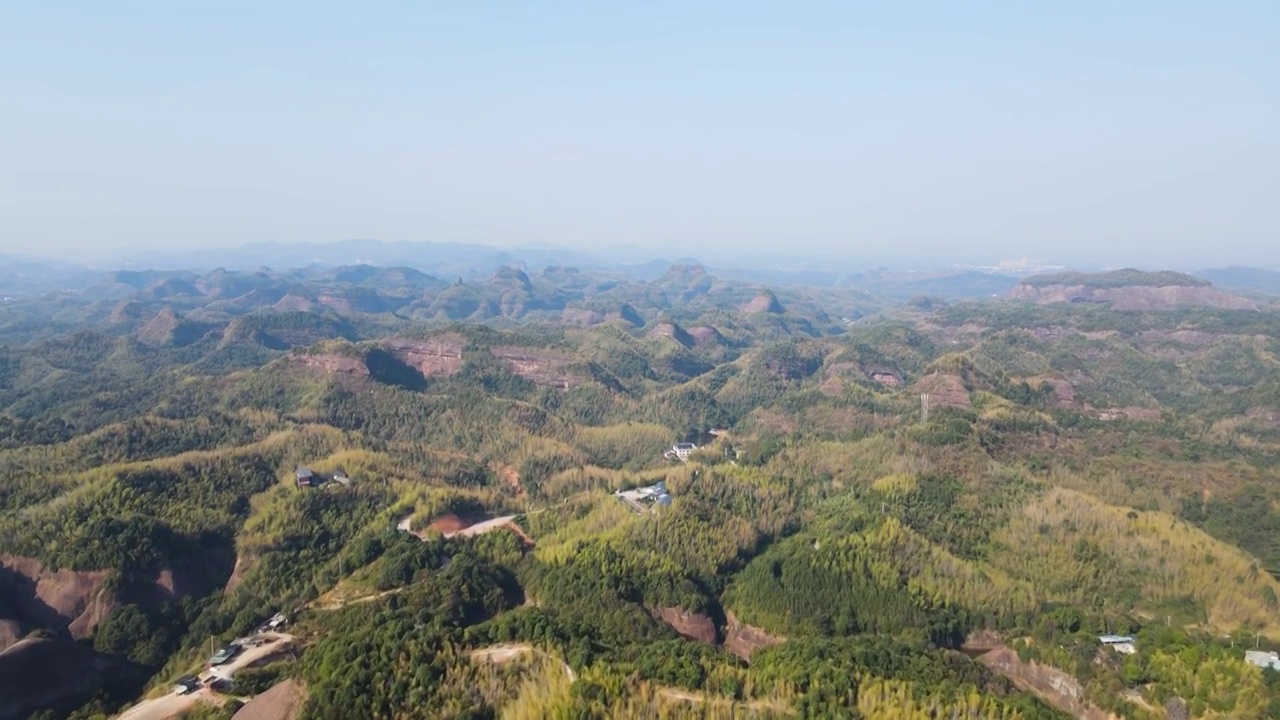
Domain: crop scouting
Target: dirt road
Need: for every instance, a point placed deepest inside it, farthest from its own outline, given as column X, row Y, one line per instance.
column 499, row 654
column 172, row 704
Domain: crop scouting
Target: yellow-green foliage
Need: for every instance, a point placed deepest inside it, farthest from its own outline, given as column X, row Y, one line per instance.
column 1074, row 548
column 1233, row 688
column 544, row 693
column 896, row 700
column 942, row 577
column 856, row 463
column 895, row 485
column 632, row 444
column 558, row 528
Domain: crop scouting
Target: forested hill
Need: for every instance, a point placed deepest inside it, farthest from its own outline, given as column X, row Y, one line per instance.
column 177, row 308
column 563, row 494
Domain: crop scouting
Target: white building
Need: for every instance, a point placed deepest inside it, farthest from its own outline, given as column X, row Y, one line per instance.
column 683, row 450
column 1263, row 659
column 1122, row 644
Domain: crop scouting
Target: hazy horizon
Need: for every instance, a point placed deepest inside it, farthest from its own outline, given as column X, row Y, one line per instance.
column 1142, row 135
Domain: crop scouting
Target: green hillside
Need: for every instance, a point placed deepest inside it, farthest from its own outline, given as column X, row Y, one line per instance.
column 825, row 552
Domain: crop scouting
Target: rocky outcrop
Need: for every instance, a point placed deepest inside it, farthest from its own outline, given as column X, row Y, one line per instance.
column 1134, row 297
column 765, row 302
column 1049, row 684
column 237, row 573
column 943, row 390
column 706, row 335
column 11, row 631
column 672, row 331
column 54, row 599
column 283, row 701
column 695, row 626
column 545, row 368
column 436, row 356
column 885, row 375
column 743, row 640
column 334, row 364
column 77, row 601
column 1064, row 393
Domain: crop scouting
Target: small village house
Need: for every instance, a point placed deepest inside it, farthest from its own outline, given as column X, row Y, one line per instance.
column 306, row 478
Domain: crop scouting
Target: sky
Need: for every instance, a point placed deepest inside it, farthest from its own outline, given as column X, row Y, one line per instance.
column 1142, row 132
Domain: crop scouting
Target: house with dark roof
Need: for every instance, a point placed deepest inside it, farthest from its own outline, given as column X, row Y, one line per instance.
column 306, row 478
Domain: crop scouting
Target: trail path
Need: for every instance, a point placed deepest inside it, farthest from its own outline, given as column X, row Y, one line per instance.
column 499, row 654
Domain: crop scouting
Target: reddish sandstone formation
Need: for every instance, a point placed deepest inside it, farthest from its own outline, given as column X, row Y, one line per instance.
column 334, row 364
column 63, row 598
column 694, row 626
column 943, row 390
column 440, row 355
column 743, row 640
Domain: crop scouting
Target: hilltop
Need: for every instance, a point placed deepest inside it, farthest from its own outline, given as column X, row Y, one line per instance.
column 1128, row 290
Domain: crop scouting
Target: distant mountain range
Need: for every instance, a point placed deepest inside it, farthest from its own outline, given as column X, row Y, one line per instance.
column 472, row 263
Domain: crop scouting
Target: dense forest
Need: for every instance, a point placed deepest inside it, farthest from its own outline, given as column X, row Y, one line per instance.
column 924, row 510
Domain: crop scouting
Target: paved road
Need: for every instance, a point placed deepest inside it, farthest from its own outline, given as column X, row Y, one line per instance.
column 172, row 704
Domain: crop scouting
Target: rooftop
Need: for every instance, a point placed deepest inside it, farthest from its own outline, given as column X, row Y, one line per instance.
column 1114, row 639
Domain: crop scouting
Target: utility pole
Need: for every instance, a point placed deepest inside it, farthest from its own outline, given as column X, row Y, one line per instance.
column 924, row 409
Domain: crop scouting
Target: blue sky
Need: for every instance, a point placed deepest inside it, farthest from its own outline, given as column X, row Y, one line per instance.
column 1137, row 132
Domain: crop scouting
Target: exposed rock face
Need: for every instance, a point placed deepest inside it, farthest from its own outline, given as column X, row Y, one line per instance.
column 1051, row 685
column 1064, row 393
column 441, row 355
column 1135, row 298
column 705, row 335
column 765, row 302
column 886, row 376
column 672, row 331
column 1127, row 413
column 283, row 701
column 62, row 599
column 78, row 601
column 694, row 626
column 743, row 640
column 983, row 640
column 943, row 390
column 542, row 367
column 237, row 573
column 10, row 632
column 334, row 364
